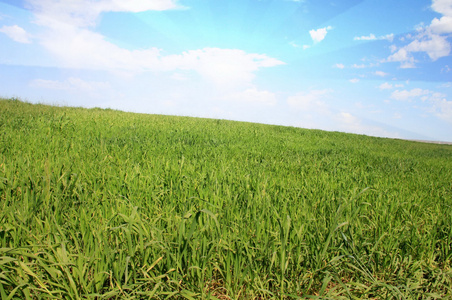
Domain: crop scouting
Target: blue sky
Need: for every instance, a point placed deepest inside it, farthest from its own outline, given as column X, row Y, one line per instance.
column 374, row 67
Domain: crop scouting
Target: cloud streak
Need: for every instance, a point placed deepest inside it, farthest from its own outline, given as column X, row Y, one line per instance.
column 253, row 96
column 309, row 101
column 85, row 13
column 16, row 33
column 439, row 105
column 407, row 95
column 372, row 37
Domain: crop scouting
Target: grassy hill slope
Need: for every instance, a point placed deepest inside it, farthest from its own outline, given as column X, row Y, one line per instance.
column 103, row 204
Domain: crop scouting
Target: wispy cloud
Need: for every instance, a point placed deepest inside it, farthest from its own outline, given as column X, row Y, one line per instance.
column 381, row 73
column 221, row 66
column 372, row 37
column 438, row 103
column 442, row 108
column 295, row 45
column 407, row 95
column 349, row 122
column 356, row 66
column 253, row 95
column 16, row 33
column 389, row 86
column 84, row 13
column 312, row 100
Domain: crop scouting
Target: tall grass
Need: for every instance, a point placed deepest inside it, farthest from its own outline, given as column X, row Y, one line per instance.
column 101, row 204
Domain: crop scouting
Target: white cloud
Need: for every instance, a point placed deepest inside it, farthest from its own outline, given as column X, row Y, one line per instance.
column 443, row 7
column 222, row 66
column 380, row 73
column 434, row 45
column 67, row 36
column 295, row 45
column 355, row 66
column 433, row 102
column 442, row 25
column 253, row 95
column 85, row 49
column 16, row 33
column 442, row 108
column 68, row 39
column 354, row 80
column 319, row 34
column 82, row 48
column 315, row 113
column 345, row 121
column 372, row 37
column 409, row 94
column 397, row 116
column 71, row 84
column 179, row 76
column 431, row 39
column 339, row 66
column 312, row 100
column 306, row 47
column 389, row 37
column 402, row 56
column 385, row 86
column 84, row 13
column 347, row 118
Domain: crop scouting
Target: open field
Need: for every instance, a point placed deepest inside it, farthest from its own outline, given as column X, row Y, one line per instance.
column 102, row 204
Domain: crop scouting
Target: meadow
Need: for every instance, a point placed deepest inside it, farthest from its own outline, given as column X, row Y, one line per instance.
column 103, row 204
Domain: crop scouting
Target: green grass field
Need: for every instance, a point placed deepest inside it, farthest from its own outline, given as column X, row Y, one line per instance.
column 102, row 204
